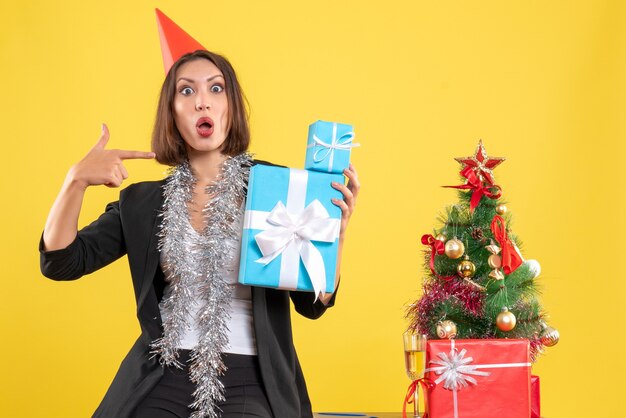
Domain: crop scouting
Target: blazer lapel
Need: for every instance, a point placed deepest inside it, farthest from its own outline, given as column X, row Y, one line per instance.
column 152, row 252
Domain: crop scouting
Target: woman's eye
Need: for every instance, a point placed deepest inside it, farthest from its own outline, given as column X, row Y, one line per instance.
column 186, row 91
column 217, row 88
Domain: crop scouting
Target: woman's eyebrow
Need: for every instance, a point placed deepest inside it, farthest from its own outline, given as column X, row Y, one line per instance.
column 214, row 77
column 189, row 80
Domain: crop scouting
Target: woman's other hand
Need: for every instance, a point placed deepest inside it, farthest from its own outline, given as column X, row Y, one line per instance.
column 350, row 193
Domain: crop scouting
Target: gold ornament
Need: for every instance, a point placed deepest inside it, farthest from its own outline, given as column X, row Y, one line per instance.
column 441, row 237
column 493, row 248
column 494, row 261
column 506, row 320
column 549, row 336
column 446, row 329
column 466, row 268
column 454, row 248
column 496, row 275
column 501, row 209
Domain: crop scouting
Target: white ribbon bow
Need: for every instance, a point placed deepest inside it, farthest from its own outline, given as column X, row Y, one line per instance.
column 344, row 142
column 455, row 371
column 292, row 234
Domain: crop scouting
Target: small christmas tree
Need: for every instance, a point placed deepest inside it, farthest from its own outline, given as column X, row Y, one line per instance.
column 479, row 285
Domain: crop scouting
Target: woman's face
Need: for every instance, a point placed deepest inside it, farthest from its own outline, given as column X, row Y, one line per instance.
column 201, row 106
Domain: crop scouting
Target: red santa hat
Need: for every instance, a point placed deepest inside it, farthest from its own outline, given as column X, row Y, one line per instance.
column 175, row 42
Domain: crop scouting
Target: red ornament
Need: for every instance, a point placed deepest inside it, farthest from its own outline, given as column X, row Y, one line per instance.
column 477, row 171
column 511, row 259
column 478, row 187
column 437, row 249
column 481, row 164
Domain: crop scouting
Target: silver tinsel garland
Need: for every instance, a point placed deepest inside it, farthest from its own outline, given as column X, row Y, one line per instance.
column 200, row 270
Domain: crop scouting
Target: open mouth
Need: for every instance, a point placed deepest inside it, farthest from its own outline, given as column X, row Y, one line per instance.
column 204, row 127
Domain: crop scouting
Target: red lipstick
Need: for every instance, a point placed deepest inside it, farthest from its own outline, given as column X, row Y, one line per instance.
column 204, row 127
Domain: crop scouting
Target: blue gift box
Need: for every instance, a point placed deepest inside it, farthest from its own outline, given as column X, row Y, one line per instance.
column 291, row 230
column 328, row 147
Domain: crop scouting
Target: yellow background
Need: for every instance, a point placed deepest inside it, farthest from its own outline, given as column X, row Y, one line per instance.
column 542, row 83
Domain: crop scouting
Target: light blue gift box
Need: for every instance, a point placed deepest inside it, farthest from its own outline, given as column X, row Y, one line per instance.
column 328, row 147
column 295, row 189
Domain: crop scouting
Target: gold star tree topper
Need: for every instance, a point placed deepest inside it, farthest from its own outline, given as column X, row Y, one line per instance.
column 481, row 163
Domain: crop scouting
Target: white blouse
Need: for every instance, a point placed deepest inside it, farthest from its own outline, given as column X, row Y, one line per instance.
column 241, row 338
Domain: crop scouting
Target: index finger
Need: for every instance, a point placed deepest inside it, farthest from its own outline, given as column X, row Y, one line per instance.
column 132, row 155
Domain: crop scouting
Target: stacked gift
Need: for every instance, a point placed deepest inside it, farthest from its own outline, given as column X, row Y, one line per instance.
column 291, row 227
column 478, row 378
column 328, row 147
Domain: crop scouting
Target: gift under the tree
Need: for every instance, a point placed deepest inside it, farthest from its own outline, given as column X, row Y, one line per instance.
column 487, row 378
column 291, row 230
column 535, row 398
column 328, row 147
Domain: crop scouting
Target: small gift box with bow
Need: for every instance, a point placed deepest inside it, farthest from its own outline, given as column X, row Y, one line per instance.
column 478, row 378
column 328, row 147
column 291, row 230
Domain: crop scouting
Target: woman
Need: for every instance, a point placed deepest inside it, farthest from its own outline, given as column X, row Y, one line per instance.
column 243, row 332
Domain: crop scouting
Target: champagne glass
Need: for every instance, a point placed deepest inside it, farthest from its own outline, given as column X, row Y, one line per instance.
column 414, row 362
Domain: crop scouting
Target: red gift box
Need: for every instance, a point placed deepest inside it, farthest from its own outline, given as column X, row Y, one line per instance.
column 535, row 399
column 478, row 378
